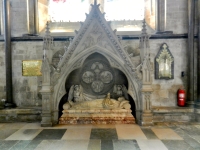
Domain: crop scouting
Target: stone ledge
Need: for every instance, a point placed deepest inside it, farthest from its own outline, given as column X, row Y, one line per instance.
column 173, row 114
column 23, row 114
column 174, row 109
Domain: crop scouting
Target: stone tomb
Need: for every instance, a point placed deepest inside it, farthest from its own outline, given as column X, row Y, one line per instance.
column 99, row 111
column 97, row 116
column 96, row 81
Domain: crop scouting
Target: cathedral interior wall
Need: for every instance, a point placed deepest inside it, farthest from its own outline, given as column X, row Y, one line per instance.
column 26, row 88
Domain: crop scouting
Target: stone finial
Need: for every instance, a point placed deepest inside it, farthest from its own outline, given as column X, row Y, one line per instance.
column 144, row 30
column 144, row 42
column 95, row 2
column 48, row 40
column 47, row 28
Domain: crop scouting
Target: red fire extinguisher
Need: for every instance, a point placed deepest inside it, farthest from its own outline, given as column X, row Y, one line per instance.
column 181, row 97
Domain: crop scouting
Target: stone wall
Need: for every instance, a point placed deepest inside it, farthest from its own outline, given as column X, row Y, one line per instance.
column 2, row 70
column 26, row 89
column 164, row 91
column 177, row 16
column 18, row 16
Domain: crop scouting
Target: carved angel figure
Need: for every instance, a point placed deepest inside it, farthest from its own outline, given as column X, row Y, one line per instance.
column 120, row 91
column 75, row 93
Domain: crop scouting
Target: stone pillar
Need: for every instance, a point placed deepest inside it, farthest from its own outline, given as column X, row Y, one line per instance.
column 146, row 112
column 160, row 15
column 46, row 80
column 191, row 59
column 8, row 54
column 32, row 17
column 46, row 109
column 197, row 106
column 1, row 18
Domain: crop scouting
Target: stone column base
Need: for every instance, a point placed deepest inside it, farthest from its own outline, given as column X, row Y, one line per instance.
column 46, row 120
column 147, row 119
column 197, row 112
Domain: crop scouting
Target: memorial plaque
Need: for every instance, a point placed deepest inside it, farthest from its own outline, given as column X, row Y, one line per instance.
column 164, row 63
column 31, row 67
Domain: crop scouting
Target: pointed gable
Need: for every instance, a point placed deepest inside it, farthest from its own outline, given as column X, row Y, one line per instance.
column 95, row 32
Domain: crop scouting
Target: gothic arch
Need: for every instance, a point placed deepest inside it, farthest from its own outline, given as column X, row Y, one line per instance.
column 77, row 62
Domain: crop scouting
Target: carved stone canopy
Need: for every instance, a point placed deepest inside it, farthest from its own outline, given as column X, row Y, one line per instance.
column 164, row 63
column 99, row 76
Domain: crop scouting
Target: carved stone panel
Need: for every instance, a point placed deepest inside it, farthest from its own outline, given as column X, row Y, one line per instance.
column 164, row 63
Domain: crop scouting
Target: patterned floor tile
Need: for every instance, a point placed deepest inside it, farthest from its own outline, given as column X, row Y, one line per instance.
column 50, row 145
column 104, row 126
column 1, row 125
column 24, row 134
column 6, row 145
column 20, row 145
column 191, row 140
column 177, row 145
column 129, row 132
column 149, row 133
column 77, row 134
column 50, row 134
column 191, row 130
column 6, row 133
column 165, row 134
column 94, row 145
column 151, row 145
column 107, row 145
column 32, row 145
column 106, row 134
column 125, row 145
column 8, row 126
column 85, row 126
column 36, row 125
column 75, row 145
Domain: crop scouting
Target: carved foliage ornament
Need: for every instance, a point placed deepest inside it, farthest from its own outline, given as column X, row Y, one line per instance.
column 164, row 63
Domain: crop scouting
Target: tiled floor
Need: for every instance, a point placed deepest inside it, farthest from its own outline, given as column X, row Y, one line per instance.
column 30, row 136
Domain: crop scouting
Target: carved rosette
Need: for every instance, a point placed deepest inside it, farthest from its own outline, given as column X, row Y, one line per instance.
column 97, row 77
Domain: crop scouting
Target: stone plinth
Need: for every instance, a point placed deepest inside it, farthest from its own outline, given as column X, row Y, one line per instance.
column 23, row 114
column 173, row 114
column 102, row 116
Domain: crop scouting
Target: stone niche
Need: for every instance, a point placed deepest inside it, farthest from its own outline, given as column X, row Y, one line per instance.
column 95, row 79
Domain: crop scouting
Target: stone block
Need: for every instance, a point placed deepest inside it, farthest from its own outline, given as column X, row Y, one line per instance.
column 164, row 94
column 18, row 57
column 156, row 87
column 1, row 88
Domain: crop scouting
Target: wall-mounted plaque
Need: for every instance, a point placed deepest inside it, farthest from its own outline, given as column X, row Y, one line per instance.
column 164, row 63
column 31, row 67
